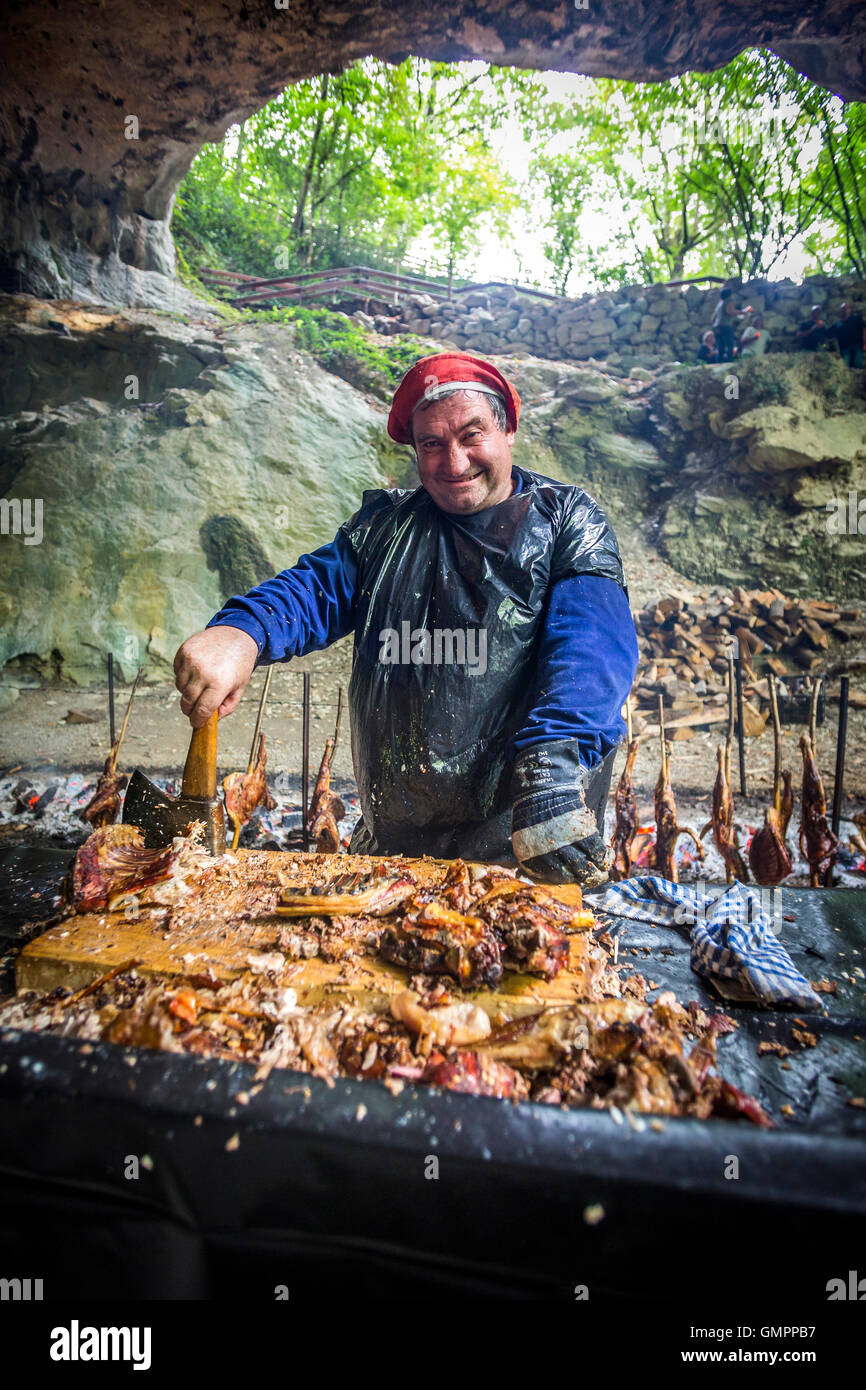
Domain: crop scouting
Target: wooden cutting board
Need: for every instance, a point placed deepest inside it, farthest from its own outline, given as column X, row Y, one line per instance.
column 82, row 948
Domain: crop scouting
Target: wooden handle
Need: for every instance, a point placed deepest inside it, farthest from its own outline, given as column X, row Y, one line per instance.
column 200, row 772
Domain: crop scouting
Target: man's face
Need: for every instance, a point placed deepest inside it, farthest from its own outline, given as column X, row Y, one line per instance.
column 844, row 310
column 464, row 458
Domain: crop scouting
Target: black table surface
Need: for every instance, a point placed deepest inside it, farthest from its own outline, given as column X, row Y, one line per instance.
column 306, row 1185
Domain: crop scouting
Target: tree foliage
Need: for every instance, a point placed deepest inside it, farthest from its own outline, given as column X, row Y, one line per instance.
column 406, row 165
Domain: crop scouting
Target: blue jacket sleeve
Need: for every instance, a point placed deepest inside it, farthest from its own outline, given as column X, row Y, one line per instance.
column 586, row 665
column 300, row 610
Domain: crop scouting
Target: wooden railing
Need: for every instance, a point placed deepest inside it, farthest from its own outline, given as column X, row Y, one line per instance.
column 362, row 280
column 247, row 291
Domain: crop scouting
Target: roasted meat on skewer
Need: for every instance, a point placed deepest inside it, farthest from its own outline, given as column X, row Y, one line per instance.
column 625, row 805
column 667, row 830
column 786, row 807
column 326, row 808
column 244, row 791
column 104, row 805
column 818, row 844
column 722, row 823
column 768, row 852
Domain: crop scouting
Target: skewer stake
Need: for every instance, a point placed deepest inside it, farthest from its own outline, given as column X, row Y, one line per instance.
column 662, row 737
column 628, row 725
column 110, row 700
column 254, row 746
column 729, row 739
column 115, row 747
column 305, row 760
column 741, row 738
column 777, row 745
column 336, row 727
column 841, row 741
column 815, row 689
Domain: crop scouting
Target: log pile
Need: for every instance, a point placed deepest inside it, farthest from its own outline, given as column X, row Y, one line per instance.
column 684, row 644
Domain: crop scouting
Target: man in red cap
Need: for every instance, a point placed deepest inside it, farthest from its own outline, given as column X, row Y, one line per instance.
column 493, row 642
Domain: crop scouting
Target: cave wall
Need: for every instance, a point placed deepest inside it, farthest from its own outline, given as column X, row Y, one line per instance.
column 104, row 107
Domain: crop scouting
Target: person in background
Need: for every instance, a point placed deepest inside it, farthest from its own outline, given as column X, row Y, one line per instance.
column 812, row 332
column 707, row 350
column 754, row 339
column 850, row 334
column 723, row 324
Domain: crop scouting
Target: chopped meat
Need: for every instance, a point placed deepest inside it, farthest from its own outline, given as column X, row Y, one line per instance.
column 473, row 1073
column 112, row 863
column 439, row 941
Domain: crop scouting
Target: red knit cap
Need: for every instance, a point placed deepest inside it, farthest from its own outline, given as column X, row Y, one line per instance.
column 443, row 368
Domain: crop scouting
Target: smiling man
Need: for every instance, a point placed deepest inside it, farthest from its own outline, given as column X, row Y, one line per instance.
column 504, row 759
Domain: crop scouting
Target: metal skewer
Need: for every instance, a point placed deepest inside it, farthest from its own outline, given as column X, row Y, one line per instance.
column 336, row 726
column 110, row 700
column 305, row 760
column 841, row 741
column 741, row 738
column 815, row 691
column 777, row 745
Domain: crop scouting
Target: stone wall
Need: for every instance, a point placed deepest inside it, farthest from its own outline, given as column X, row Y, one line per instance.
column 643, row 326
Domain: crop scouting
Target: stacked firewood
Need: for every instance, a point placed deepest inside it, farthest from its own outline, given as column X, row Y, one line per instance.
column 684, row 649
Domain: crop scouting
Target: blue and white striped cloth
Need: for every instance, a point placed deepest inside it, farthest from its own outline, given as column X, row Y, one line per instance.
column 734, row 944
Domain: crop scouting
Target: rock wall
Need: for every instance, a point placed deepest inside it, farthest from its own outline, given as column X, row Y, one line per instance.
column 175, row 463
column 104, row 106
column 642, row 326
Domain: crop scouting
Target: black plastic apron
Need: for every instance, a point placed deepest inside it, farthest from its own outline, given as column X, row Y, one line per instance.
column 449, row 614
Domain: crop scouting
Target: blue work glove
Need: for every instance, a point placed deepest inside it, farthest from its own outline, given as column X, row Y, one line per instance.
column 554, row 835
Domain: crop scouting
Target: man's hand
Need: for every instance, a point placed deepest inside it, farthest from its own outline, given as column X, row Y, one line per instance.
column 211, row 671
column 554, row 834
